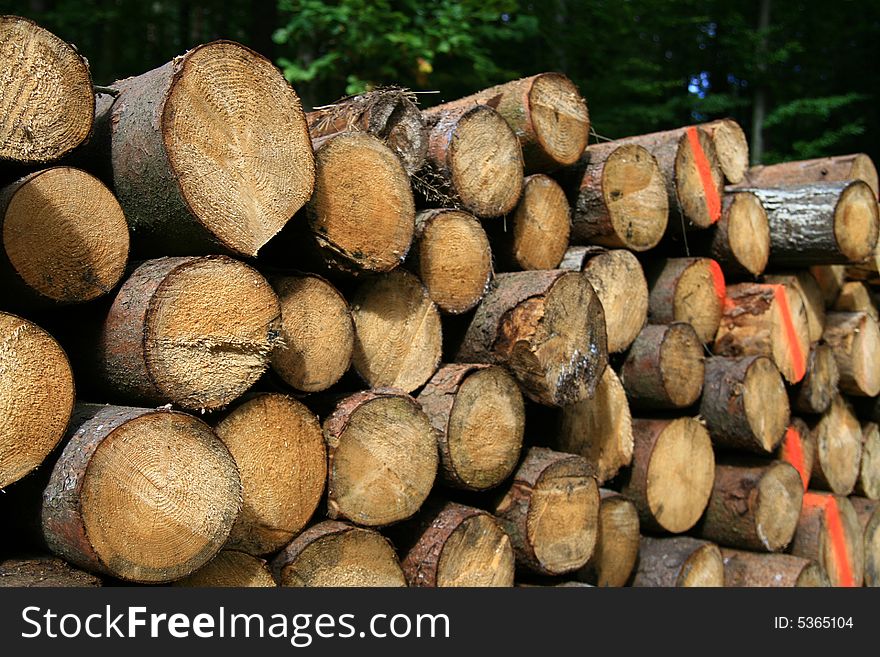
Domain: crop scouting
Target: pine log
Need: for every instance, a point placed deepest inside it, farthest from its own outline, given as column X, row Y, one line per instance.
column 798, row 448
column 765, row 320
column 44, row 572
column 740, row 241
column 46, row 103
column 316, row 337
column 868, row 483
column 829, row 533
column 338, row 554
column 819, row 386
column 664, row 367
column 855, row 342
column 680, row 561
column 65, row 239
column 460, row 546
column 839, row 168
column 731, row 147
column 838, row 449
column 196, row 332
column 452, row 257
column 388, row 113
column 398, row 336
column 617, row 543
column 688, row 290
column 599, row 429
column 548, row 328
column 479, row 416
column 209, row 152
column 474, row 160
column 619, row 282
column 231, row 568
column 754, row 569
column 811, row 295
column 36, row 395
column 142, row 495
column 855, row 297
column 672, row 472
column 868, row 513
column 551, row 512
column 744, row 403
column 278, row 447
column 382, row 457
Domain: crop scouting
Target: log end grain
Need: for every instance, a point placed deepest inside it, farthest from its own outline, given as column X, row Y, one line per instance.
column 779, row 495
column 868, row 483
column 617, row 546
column 231, row 568
column 681, row 365
column 863, row 169
column 540, row 225
column 689, row 290
column 819, row 386
column 798, row 448
column 856, row 221
column 829, row 532
column 765, row 402
column 743, row 236
column 855, row 341
column 732, row 149
column 619, row 282
column 698, row 178
column 680, row 561
column 559, row 119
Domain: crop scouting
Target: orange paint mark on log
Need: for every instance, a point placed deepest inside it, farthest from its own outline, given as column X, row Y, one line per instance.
column 718, row 279
column 793, row 452
column 799, row 362
column 838, row 542
column 713, row 199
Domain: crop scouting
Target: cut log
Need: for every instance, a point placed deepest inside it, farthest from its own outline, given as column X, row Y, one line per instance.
column 316, row 334
column 599, row 429
column 839, row 168
column 814, row 393
column 740, row 241
column 619, row 282
column 664, row 367
column 677, row 454
column 855, row 297
column 548, row 328
column 765, row 320
column 338, row 554
column 617, row 544
column 689, row 290
column 196, row 332
column 44, row 572
column 231, row 568
column 279, row 449
column 820, row 224
column 388, row 113
column 811, row 295
column 398, row 337
column 142, row 495
column 46, row 102
column 618, row 198
column 679, row 561
column 798, row 448
column 838, row 449
column 65, row 239
column 731, row 147
column 210, row 151
column 829, row 533
column 744, row 403
column 753, row 569
column 551, row 512
column 831, row 279
column 460, row 546
column 479, row 416
column 868, row 513
column 452, row 257
column 382, row 457
column 854, row 339
column 474, row 160
column 868, row 483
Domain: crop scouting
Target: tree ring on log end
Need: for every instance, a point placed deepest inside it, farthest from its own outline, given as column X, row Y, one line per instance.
column 765, row 402
column 703, row 568
column 541, row 224
column 856, row 221
column 748, row 232
column 681, row 364
column 732, row 149
column 559, row 117
column 699, row 297
column 477, row 553
column 778, row 505
column 698, row 180
column 635, row 194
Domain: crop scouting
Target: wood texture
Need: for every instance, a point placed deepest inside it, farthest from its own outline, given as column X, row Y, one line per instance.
column 688, row 290
column 680, row 561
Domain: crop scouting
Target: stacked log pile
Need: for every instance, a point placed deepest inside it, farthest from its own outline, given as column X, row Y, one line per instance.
column 376, row 345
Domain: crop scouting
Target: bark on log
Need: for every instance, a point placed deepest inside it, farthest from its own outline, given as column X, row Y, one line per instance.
column 819, row 386
column 868, row 483
column 740, row 241
column 679, row 561
column 688, row 290
column 231, row 568
column 839, row 168
column 43, row 572
column 868, row 513
column 854, row 339
column 798, row 448
column 753, row 569
column 829, row 533
column 838, row 449
column 731, row 147
column 811, row 295
column 617, row 543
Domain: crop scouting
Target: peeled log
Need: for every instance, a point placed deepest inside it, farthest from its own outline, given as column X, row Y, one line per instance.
column 617, row 544
column 730, row 146
column 231, row 568
column 854, row 339
column 814, row 393
column 838, row 449
column 798, row 448
column 829, row 533
column 740, row 241
column 839, row 168
column 868, row 512
column 142, row 495
column 868, row 483
column 680, row 561
column 689, row 290
column 755, row 569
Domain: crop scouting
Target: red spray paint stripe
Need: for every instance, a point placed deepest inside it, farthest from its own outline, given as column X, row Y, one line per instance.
column 718, row 280
column 838, row 542
column 794, row 346
column 793, row 452
column 713, row 200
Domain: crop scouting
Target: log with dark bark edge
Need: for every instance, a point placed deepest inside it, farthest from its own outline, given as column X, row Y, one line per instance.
column 798, row 447
column 678, row 456
column 838, row 449
column 388, row 113
column 756, row 569
column 839, row 168
column 811, row 294
column 618, row 197
column 535, row 235
column 316, row 333
column 474, row 160
column 678, row 561
column 830, row 279
column 46, row 102
column 599, row 429
column 398, row 336
column 459, row 546
column 338, row 554
column 65, row 239
column 744, row 403
column 231, row 568
column 44, row 571
column 617, row 544
column 868, row 513
column 664, row 367
column 382, row 457
column 855, row 297
column 209, row 152
column 829, row 533
column 688, row 290
column 820, row 224
column 619, row 282
column 754, row 505
column 452, row 257
column 765, row 320
column 819, row 386
column 479, row 416
column 36, row 395
column 279, row 449
column 731, row 147
column 854, row 339
column 551, row 512
column 740, row 241
column 196, row 332
column 548, row 328
column 868, row 483
column 142, row 495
